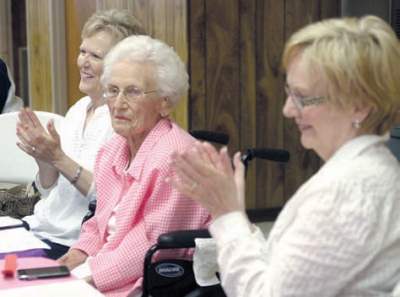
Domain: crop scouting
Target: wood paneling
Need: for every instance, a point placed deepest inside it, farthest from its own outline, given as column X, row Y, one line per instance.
column 197, row 66
column 5, row 33
column 222, row 68
column 76, row 14
column 237, row 84
column 18, row 45
column 248, row 88
column 269, row 80
column 167, row 21
column 233, row 50
column 39, row 54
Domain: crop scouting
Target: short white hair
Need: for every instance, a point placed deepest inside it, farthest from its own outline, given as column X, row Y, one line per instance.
column 171, row 76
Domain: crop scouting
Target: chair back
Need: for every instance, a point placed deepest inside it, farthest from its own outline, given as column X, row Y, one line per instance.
column 394, row 142
column 17, row 167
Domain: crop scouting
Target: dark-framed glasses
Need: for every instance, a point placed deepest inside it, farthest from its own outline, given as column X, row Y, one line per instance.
column 303, row 101
column 131, row 93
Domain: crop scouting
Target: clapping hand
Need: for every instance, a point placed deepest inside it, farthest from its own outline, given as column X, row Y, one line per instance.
column 207, row 176
column 44, row 145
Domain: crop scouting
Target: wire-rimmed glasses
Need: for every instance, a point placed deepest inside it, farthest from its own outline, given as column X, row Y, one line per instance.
column 130, row 93
column 301, row 101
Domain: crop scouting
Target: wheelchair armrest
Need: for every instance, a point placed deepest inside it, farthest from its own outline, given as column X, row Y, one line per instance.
column 181, row 239
column 185, row 238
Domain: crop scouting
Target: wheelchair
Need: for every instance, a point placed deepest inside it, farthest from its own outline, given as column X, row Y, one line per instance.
column 175, row 277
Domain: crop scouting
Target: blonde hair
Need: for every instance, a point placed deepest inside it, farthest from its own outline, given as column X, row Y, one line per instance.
column 118, row 22
column 358, row 59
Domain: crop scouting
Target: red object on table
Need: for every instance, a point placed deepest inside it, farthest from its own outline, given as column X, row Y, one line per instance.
column 10, row 265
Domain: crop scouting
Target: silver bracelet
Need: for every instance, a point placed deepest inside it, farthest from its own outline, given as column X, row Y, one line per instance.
column 77, row 175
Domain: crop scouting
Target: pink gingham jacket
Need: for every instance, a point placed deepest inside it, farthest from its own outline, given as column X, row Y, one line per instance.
column 147, row 207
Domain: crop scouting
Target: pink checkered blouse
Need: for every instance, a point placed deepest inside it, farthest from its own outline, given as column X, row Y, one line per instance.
column 147, row 207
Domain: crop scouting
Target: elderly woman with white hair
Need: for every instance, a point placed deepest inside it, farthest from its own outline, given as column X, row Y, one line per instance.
column 143, row 80
column 66, row 157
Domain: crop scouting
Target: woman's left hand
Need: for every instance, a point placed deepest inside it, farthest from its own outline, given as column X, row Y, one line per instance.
column 73, row 258
column 43, row 145
column 207, row 176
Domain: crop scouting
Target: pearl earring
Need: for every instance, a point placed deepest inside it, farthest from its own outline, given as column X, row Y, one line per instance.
column 356, row 124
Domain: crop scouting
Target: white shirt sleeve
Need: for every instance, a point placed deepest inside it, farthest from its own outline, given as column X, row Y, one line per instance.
column 242, row 264
column 44, row 193
column 315, row 255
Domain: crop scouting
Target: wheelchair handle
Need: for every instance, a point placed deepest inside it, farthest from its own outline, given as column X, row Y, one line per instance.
column 277, row 155
column 181, row 238
column 211, row 136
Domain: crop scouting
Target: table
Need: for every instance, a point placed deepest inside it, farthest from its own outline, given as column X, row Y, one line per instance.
column 61, row 287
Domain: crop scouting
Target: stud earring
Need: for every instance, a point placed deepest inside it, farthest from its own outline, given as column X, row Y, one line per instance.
column 356, row 124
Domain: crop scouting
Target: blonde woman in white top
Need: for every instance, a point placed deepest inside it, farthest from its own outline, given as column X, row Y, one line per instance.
column 339, row 235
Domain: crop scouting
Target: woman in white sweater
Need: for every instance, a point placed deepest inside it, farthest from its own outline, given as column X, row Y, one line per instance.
column 339, row 235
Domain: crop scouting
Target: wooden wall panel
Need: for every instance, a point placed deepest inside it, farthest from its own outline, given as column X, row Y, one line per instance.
column 248, row 89
column 222, row 68
column 39, row 54
column 237, row 84
column 76, row 14
column 167, row 21
column 329, row 9
column 18, row 45
column 270, row 99
column 6, row 52
column 197, row 65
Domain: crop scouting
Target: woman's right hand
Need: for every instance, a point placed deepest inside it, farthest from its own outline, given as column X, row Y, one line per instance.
column 73, row 258
column 207, row 176
column 44, row 146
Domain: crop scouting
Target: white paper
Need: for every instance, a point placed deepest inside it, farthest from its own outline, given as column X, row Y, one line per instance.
column 205, row 264
column 9, row 221
column 76, row 288
column 19, row 239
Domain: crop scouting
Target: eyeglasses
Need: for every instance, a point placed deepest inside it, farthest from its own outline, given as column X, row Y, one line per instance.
column 301, row 101
column 131, row 93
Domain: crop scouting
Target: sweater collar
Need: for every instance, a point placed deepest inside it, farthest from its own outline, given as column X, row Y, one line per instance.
column 136, row 167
